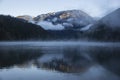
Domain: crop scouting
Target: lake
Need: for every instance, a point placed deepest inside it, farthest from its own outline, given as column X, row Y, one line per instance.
column 59, row 60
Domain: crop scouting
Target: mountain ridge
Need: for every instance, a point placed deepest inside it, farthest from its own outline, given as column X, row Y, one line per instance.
column 12, row 28
column 69, row 19
column 107, row 28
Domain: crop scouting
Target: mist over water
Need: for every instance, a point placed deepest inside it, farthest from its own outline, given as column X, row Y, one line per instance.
column 59, row 61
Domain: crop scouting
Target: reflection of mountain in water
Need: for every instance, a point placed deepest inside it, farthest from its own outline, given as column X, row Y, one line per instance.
column 109, row 58
column 63, row 59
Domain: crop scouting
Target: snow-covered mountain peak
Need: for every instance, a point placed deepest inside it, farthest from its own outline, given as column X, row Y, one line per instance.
column 70, row 19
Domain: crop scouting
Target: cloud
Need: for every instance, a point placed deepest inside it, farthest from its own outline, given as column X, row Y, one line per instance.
column 1, row 1
column 99, row 7
column 95, row 8
column 49, row 26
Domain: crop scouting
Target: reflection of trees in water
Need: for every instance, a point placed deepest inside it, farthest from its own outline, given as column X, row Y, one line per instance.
column 9, row 58
column 63, row 66
column 109, row 58
column 79, row 59
column 75, row 59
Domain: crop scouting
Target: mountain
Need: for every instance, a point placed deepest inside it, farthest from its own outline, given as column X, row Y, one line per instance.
column 17, row 29
column 107, row 28
column 70, row 25
column 26, row 17
column 68, row 20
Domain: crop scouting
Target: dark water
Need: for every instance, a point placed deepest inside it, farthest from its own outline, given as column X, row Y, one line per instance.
column 59, row 61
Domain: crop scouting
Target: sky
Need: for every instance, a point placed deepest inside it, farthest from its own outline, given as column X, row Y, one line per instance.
column 95, row 8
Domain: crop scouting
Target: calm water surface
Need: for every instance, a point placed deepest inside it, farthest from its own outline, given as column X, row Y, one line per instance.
column 59, row 60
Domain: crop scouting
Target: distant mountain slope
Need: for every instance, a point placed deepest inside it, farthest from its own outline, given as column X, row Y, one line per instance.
column 26, row 17
column 70, row 25
column 70, row 19
column 107, row 28
column 16, row 29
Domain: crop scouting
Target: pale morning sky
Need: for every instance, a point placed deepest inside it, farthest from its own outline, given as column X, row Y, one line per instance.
column 95, row 8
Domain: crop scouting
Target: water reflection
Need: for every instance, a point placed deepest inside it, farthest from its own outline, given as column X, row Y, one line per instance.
column 101, row 61
column 64, row 59
column 11, row 57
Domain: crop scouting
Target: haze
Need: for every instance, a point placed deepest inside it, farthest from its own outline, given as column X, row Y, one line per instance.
column 95, row 8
